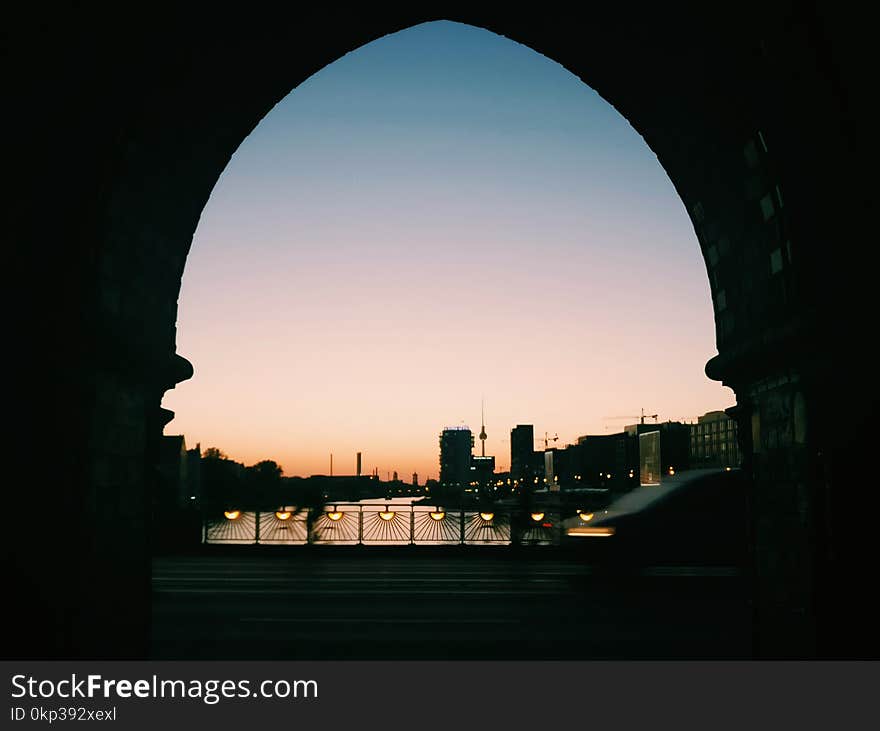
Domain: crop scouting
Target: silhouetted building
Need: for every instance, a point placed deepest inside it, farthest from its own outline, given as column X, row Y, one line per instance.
column 456, row 445
column 599, row 460
column 713, row 441
column 522, row 453
column 674, row 445
column 194, row 474
column 177, row 500
column 179, row 470
column 482, row 470
column 551, row 478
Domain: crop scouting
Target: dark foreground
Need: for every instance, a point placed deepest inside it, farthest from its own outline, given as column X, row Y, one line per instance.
column 431, row 603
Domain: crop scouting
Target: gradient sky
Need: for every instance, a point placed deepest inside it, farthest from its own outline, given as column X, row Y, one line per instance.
column 440, row 216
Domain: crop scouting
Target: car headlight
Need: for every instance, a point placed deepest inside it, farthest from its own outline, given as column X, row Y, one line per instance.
column 590, row 531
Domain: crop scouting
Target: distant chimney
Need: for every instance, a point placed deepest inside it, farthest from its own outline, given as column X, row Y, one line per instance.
column 358, row 464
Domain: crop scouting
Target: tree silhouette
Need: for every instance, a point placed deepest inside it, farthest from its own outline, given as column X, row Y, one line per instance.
column 222, row 486
column 263, row 482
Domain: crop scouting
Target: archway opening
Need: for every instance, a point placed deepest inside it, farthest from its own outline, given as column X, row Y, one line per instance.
column 393, row 279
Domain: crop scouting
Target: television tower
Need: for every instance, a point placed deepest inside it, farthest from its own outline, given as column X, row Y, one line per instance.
column 482, row 429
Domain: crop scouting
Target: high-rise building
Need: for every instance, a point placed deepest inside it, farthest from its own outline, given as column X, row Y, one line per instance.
column 456, row 444
column 522, row 452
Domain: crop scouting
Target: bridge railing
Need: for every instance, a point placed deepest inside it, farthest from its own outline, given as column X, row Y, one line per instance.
column 384, row 524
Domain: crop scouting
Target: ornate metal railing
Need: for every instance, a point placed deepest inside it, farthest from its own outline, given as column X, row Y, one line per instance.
column 384, row 524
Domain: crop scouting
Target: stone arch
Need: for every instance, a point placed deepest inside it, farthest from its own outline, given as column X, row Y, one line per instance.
column 150, row 133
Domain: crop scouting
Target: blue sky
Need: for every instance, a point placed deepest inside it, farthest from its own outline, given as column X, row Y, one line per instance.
column 440, row 216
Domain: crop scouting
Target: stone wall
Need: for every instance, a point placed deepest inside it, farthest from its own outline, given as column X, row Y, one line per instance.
column 120, row 132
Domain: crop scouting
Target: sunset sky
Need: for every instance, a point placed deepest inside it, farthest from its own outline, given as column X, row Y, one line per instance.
column 439, row 217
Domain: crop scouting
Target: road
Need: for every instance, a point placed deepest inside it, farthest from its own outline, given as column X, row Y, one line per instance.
column 432, row 603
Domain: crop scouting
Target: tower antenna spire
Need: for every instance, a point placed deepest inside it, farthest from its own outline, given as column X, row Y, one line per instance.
column 482, row 428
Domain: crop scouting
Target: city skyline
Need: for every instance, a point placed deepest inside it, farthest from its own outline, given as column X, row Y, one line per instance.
column 438, row 217
column 501, row 461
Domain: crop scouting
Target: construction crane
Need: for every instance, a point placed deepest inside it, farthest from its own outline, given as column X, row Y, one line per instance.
column 640, row 418
column 547, row 439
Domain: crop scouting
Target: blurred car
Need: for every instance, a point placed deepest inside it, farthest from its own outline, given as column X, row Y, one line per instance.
column 694, row 517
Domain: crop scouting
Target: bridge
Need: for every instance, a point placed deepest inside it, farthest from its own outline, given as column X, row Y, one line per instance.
column 387, row 524
column 463, row 602
column 385, row 580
